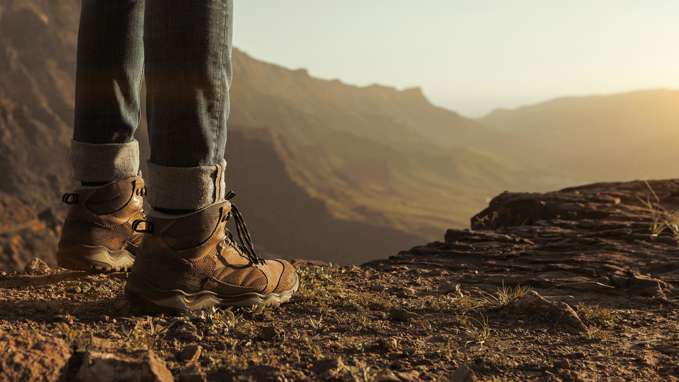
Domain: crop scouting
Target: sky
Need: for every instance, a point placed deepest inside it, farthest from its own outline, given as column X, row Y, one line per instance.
column 471, row 56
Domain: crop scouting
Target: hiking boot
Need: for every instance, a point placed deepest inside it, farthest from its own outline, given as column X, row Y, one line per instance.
column 192, row 262
column 97, row 234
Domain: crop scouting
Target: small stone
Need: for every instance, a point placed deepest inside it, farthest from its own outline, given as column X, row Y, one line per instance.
column 269, row 333
column 439, row 338
column 387, row 344
column 329, row 368
column 446, row 287
column 558, row 313
column 264, row 373
column 192, row 373
column 399, row 314
column 74, row 289
column 37, row 267
column 386, row 376
column 462, row 374
column 407, row 292
column 184, row 330
column 190, row 353
column 138, row 366
column 411, row 375
column 377, row 287
column 67, row 318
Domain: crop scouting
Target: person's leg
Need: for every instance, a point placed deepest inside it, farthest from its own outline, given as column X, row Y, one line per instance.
column 109, row 75
column 98, row 231
column 188, row 75
column 188, row 260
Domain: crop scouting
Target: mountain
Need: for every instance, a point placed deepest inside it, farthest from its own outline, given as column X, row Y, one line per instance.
column 323, row 169
column 621, row 136
column 381, row 153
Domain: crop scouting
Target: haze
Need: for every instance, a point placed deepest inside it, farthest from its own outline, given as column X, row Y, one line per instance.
column 471, row 56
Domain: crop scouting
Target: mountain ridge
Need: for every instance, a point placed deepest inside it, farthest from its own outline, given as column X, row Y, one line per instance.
column 622, row 136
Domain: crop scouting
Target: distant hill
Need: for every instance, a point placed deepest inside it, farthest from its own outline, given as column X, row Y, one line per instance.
column 608, row 137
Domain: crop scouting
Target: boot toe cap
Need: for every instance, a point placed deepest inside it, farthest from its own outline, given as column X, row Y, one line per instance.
column 288, row 279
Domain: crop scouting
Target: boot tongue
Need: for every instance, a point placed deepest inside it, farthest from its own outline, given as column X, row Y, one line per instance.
column 194, row 229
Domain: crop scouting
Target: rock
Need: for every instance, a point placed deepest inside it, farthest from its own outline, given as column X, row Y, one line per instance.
column 263, row 373
column 397, row 376
column 329, row 368
column 388, row 344
column 400, row 314
column 462, row 374
column 98, row 366
column 446, row 287
column 600, row 239
column 271, row 333
column 558, row 313
column 184, row 330
column 410, row 375
column 406, row 292
column 387, row 376
column 639, row 284
column 192, row 373
column 190, row 353
column 67, row 318
column 26, row 356
column 37, row 267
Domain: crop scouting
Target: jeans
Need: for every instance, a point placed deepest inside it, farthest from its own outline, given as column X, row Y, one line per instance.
column 182, row 49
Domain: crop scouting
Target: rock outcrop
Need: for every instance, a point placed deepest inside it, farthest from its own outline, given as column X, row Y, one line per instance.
column 614, row 239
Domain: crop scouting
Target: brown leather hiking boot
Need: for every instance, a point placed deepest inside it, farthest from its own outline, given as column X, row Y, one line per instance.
column 97, row 233
column 192, row 262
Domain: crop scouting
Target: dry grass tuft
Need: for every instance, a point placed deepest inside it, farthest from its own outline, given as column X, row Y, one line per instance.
column 662, row 219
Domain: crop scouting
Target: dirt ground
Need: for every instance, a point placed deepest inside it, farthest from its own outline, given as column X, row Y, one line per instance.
column 568, row 286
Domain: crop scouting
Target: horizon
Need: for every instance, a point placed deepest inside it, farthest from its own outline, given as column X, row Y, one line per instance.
column 576, row 49
column 481, row 116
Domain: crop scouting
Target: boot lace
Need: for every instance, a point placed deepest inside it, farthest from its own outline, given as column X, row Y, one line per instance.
column 244, row 243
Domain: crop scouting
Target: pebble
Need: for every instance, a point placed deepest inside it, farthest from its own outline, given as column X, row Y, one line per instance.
column 190, row 353
column 402, row 315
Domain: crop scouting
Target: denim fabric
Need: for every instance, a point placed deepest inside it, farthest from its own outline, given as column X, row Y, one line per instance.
column 110, row 62
column 183, row 49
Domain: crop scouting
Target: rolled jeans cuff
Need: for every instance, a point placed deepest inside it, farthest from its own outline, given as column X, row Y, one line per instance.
column 94, row 162
column 186, row 188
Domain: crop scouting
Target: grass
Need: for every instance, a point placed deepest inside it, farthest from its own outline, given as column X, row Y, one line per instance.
column 596, row 315
column 662, row 219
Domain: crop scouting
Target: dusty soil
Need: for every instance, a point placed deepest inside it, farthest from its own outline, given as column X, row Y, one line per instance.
column 566, row 286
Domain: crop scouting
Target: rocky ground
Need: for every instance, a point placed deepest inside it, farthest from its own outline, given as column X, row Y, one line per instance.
column 572, row 285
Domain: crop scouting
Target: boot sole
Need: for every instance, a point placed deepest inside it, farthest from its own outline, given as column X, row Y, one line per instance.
column 177, row 300
column 94, row 258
